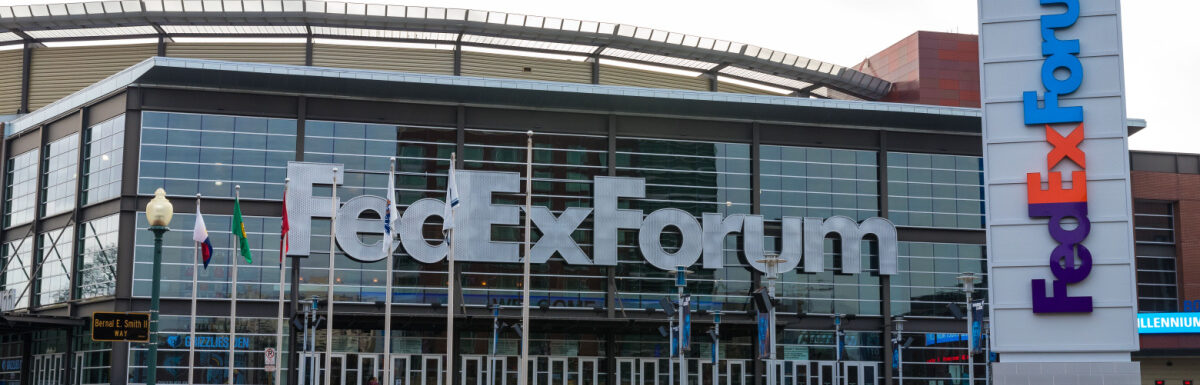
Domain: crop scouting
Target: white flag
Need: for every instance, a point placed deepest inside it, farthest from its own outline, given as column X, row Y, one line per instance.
column 390, row 213
column 451, row 202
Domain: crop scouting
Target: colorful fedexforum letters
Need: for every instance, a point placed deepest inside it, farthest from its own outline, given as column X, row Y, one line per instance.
column 1070, row 261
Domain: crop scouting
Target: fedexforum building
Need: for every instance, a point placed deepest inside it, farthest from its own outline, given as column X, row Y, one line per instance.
column 652, row 150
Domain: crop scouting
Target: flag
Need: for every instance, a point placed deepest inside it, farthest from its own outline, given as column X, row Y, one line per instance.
column 283, row 230
column 239, row 231
column 200, row 235
column 390, row 213
column 451, row 201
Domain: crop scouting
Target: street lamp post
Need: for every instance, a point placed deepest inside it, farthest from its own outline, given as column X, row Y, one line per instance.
column 772, row 263
column 899, row 342
column 158, row 213
column 968, row 280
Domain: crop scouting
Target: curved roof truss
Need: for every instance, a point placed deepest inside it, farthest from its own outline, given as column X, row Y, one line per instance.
column 119, row 19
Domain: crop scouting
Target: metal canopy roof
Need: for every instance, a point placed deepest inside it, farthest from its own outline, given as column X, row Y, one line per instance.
column 335, row 19
column 169, row 71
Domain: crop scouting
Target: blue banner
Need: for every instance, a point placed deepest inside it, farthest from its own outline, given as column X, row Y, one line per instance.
column 764, row 332
column 1168, row 323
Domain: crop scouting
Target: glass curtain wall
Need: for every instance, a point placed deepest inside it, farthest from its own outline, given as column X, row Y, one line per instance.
column 21, row 188
column 1154, row 237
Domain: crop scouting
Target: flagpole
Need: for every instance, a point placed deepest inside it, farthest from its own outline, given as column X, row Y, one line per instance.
column 450, row 292
column 329, row 292
column 525, row 329
column 282, row 269
column 195, row 278
column 237, row 196
column 387, row 291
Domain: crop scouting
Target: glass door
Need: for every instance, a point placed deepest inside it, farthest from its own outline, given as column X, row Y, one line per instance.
column 472, row 370
column 649, row 371
column 800, row 372
column 400, row 369
column 369, row 368
column 735, row 372
column 589, row 372
column 557, row 371
column 860, row 373
column 824, row 372
column 627, row 371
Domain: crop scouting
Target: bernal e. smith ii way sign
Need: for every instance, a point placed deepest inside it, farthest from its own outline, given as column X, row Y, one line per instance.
column 1059, row 222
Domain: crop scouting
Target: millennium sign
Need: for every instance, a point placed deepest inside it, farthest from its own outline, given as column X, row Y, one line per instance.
column 701, row 240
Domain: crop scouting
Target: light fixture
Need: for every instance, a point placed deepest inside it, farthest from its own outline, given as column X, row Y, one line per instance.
column 104, row 157
column 218, row 183
column 159, row 210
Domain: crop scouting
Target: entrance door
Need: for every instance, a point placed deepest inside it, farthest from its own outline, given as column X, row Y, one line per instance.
column 557, row 371
column 800, row 372
column 627, row 371
column 312, row 369
column 735, row 372
column 400, row 369
column 823, row 372
column 860, row 373
column 431, row 370
column 47, row 369
column 473, row 371
column 588, row 373
column 369, row 367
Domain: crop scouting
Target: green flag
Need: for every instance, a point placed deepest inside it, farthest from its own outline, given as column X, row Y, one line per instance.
column 239, row 231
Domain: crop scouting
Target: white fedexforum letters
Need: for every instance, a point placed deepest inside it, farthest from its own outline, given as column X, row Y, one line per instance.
column 478, row 213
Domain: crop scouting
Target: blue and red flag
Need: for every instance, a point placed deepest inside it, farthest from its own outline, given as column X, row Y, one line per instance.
column 200, row 235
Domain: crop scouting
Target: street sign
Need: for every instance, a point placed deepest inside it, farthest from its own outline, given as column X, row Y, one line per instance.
column 269, row 359
column 121, row 327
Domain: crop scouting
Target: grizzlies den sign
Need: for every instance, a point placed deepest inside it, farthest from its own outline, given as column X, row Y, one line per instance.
column 701, row 240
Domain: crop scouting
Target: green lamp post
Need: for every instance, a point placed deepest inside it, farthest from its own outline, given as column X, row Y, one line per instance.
column 158, row 213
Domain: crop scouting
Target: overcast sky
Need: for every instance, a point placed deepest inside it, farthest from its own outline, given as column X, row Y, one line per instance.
column 1158, row 79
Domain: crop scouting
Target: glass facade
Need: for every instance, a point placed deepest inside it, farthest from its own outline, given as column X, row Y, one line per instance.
column 54, row 276
column 20, row 189
column 697, row 177
column 1154, row 237
column 18, row 262
column 61, row 171
column 212, row 362
column 563, row 168
column 103, row 157
column 931, row 190
column 256, row 281
column 97, row 261
column 187, row 154
column 927, row 283
column 819, row 182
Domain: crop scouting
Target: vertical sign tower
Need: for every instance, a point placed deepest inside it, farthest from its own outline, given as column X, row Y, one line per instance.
column 1056, row 163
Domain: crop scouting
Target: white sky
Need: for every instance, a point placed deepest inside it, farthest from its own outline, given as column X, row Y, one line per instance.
column 1158, row 79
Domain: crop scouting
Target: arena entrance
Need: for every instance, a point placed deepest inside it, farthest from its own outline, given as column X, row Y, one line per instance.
column 411, row 369
column 358, row 369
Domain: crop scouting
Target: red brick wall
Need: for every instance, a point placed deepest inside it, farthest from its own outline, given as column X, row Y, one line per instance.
column 930, row 68
column 1184, row 190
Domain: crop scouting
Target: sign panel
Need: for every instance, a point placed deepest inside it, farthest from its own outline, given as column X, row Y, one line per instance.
column 1168, row 323
column 1056, row 161
column 121, row 327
